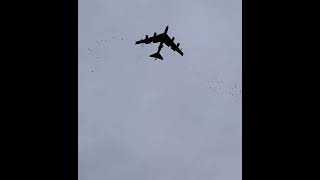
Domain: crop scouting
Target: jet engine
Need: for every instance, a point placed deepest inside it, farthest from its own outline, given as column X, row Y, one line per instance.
column 154, row 34
column 146, row 36
column 178, row 44
column 172, row 39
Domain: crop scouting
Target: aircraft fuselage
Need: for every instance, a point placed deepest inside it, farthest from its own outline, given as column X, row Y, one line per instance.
column 159, row 39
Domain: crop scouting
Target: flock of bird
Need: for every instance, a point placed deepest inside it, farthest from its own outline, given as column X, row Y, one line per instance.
column 93, row 51
column 215, row 85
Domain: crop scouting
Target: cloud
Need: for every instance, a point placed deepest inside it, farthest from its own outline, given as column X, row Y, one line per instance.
column 141, row 119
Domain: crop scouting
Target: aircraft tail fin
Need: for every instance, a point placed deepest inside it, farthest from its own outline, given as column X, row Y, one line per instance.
column 157, row 56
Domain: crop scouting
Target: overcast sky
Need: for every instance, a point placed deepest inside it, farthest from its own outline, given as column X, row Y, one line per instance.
column 176, row 119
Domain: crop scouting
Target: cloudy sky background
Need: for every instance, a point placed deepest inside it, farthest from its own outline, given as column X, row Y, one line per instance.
column 176, row 119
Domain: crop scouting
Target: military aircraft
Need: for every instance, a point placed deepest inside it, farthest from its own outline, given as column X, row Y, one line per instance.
column 161, row 38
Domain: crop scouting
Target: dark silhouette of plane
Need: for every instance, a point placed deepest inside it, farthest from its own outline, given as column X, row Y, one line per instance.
column 161, row 38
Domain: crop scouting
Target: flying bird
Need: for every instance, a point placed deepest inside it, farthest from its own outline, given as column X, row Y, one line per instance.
column 161, row 38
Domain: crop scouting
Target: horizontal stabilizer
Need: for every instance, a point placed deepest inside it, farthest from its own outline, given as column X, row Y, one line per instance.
column 157, row 56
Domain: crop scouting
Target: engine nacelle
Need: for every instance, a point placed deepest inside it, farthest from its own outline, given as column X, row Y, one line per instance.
column 154, row 34
column 178, row 44
column 146, row 36
column 172, row 39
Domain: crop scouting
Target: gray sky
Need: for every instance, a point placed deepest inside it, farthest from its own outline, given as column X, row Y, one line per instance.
column 176, row 119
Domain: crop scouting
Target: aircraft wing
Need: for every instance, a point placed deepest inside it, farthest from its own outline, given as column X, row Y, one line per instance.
column 169, row 42
column 148, row 40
